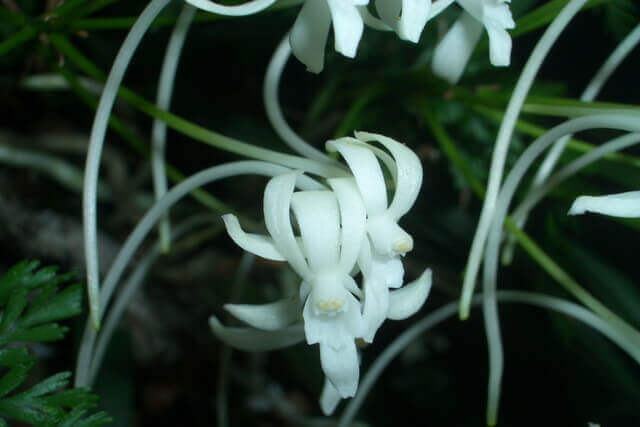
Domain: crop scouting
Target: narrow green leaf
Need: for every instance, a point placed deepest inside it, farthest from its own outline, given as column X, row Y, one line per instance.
column 14, row 356
column 48, row 385
column 46, row 308
column 16, row 376
column 43, row 333
column 13, row 310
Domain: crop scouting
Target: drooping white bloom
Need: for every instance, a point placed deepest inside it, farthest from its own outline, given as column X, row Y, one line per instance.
column 351, row 223
column 380, row 254
column 323, row 256
column 454, row 50
column 310, row 31
column 623, row 205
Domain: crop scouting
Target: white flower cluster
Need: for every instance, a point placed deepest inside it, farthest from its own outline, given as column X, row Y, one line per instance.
column 407, row 18
column 348, row 228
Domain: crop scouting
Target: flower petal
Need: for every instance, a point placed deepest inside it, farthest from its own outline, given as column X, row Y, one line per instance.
column 347, row 26
column 352, row 218
column 309, row 34
column 454, row 50
column 409, row 173
column 624, row 205
column 319, row 220
column 329, row 398
column 415, row 14
column 407, row 300
column 277, row 201
column 389, row 11
column 335, row 329
column 262, row 246
column 499, row 46
column 250, row 339
column 248, row 8
column 387, row 237
column 375, row 306
column 366, row 170
column 340, row 365
column 269, row 317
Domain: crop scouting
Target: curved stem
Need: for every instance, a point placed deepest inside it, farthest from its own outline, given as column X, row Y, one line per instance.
column 159, row 129
column 492, row 326
column 135, row 239
column 443, row 313
column 130, row 288
column 96, row 142
column 502, row 145
column 222, row 398
column 589, row 94
column 272, row 105
column 248, row 8
column 612, row 146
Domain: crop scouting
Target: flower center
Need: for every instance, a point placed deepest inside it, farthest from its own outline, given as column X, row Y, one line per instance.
column 328, row 294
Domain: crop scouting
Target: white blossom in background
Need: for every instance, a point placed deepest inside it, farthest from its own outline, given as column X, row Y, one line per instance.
column 454, row 50
column 350, row 224
column 623, row 205
column 310, row 31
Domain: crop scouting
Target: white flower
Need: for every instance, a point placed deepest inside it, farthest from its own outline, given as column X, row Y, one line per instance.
column 380, row 254
column 454, row 50
column 323, row 256
column 406, row 17
column 624, row 205
column 310, row 31
column 337, row 229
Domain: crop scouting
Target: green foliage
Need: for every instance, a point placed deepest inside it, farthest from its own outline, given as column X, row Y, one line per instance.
column 32, row 300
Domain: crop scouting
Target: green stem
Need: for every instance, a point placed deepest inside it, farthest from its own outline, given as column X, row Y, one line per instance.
column 447, row 145
column 526, row 242
column 26, row 34
column 576, row 145
column 141, row 147
column 195, row 131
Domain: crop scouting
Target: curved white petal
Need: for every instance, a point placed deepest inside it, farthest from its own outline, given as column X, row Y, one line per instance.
column 454, row 50
column 262, row 246
column 250, row 339
column 366, row 170
column 375, row 306
column 624, row 205
column 347, row 26
column 352, row 218
column 269, row 317
column 336, row 330
column 340, row 365
column 389, row 11
column 318, row 216
column 309, row 34
column 497, row 14
column 387, row 237
column 248, row 8
column 474, row 7
column 407, row 300
column 408, row 170
column 499, row 46
column 415, row 14
column 277, row 201
column 374, row 265
column 390, row 269
column 329, row 398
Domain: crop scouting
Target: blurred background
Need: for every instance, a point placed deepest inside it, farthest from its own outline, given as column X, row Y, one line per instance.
column 164, row 365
